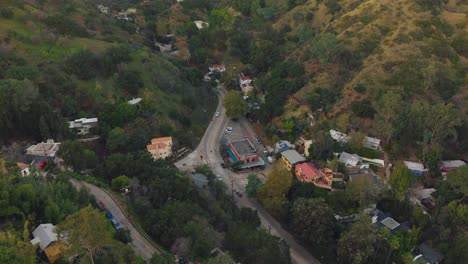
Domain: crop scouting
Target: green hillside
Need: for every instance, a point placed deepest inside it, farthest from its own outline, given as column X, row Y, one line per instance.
column 83, row 63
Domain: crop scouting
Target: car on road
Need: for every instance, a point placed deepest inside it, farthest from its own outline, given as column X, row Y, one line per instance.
column 259, row 141
column 219, row 177
column 217, row 114
column 229, row 129
column 116, row 223
column 101, row 205
column 265, row 153
column 109, row 214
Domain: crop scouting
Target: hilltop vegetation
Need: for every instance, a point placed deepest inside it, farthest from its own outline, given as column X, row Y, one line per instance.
column 71, row 61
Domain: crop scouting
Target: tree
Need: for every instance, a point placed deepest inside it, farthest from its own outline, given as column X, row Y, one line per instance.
column 387, row 109
column 323, row 146
column 249, row 216
column 84, row 64
column 130, row 81
column 75, row 154
column 117, row 139
column 400, row 180
column 14, row 250
column 253, row 185
column 440, row 120
column 234, row 104
column 120, row 182
column 272, row 194
column 312, row 221
column 458, row 180
column 358, row 243
column 87, row 233
column 326, row 48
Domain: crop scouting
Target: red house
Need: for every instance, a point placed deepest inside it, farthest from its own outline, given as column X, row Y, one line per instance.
column 308, row 172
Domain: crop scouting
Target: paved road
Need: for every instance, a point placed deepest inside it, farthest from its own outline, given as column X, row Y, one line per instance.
column 209, row 150
column 139, row 243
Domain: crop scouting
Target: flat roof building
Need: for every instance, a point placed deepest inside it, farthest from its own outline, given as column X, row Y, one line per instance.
column 291, row 157
column 242, row 151
column 43, row 150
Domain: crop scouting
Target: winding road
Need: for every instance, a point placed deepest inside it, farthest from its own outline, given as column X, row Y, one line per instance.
column 207, row 152
column 142, row 246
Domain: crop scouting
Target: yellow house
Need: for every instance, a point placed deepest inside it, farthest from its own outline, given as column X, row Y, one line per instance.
column 160, row 148
column 290, row 158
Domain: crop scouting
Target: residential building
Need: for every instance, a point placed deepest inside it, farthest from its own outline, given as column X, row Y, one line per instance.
column 43, row 150
column 338, row 136
column 201, row 24
column 24, row 169
column 160, row 148
column 308, row 172
column 55, row 251
column 448, row 165
column 307, row 144
column 371, row 143
column 350, row 160
column 283, row 145
column 381, row 220
column 416, row 167
column 135, row 101
column 83, row 125
column 244, row 80
column 44, row 235
column 217, row 68
column 242, row 151
column 291, row 157
column 427, row 254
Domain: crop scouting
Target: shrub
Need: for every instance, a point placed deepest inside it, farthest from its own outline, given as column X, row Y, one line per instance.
column 360, row 88
column 7, row 13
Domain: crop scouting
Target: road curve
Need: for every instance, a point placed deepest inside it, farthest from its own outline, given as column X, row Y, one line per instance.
column 140, row 244
column 209, row 149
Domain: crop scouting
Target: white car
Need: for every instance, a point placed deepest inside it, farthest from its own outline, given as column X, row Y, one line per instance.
column 217, row 114
column 229, row 129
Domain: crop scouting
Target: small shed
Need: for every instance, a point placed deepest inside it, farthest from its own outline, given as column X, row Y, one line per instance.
column 416, row 167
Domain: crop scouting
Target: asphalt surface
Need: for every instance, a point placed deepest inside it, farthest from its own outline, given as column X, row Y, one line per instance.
column 140, row 244
column 207, row 152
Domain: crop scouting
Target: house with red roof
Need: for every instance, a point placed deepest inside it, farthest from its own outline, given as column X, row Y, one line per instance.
column 160, row 148
column 216, row 67
column 245, row 83
column 308, row 172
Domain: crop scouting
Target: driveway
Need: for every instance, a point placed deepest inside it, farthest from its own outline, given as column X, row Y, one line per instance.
column 207, row 152
column 140, row 244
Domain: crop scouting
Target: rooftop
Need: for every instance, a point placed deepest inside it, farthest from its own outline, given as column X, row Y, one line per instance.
column 292, row 156
column 349, row 159
column 243, row 147
column 309, row 171
column 43, row 149
column 452, row 163
column 161, row 140
column 390, row 223
column 135, row 101
column 414, row 166
column 44, row 234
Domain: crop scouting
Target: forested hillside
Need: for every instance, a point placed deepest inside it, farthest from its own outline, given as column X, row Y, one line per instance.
column 62, row 60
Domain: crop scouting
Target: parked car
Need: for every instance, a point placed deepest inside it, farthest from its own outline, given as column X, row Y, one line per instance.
column 101, row 205
column 217, row 114
column 259, row 141
column 219, row 177
column 229, row 129
column 116, row 223
column 109, row 214
column 270, row 159
column 265, row 153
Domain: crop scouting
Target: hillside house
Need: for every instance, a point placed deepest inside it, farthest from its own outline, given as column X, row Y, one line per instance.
column 83, row 125
column 216, row 68
column 308, row 172
column 307, row 144
column 160, row 148
column 201, row 24
column 135, row 101
column 371, row 143
column 338, row 136
column 43, row 150
column 426, row 254
column 350, row 160
column 242, row 151
column 283, row 145
column 448, row 165
column 415, row 167
column 24, row 169
column 290, row 158
column 382, row 220
column 44, row 235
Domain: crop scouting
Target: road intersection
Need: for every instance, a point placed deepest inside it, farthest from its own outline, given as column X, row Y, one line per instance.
column 208, row 152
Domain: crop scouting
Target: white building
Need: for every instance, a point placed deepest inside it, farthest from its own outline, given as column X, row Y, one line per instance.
column 338, row 136
column 416, row 167
column 201, row 24
column 43, row 150
column 83, row 125
column 44, row 234
column 350, row 160
column 160, row 148
column 372, row 143
column 135, row 101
